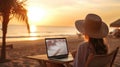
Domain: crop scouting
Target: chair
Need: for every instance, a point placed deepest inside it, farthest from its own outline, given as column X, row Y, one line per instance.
column 102, row 60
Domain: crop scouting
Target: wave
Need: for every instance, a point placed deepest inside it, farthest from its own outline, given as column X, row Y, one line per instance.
column 36, row 36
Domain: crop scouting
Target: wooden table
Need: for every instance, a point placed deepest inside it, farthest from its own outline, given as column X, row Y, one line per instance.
column 42, row 59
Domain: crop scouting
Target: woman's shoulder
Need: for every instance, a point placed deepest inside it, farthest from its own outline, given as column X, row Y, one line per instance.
column 83, row 44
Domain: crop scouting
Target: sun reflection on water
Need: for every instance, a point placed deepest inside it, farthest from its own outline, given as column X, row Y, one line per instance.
column 33, row 28
column 33, row 35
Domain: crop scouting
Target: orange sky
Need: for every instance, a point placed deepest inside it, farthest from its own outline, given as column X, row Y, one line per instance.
column 65, row 12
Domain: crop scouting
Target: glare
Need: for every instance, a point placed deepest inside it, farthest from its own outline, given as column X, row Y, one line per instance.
column 33, row 38
column 36, row 14
column 33, row 28
column 33, row 35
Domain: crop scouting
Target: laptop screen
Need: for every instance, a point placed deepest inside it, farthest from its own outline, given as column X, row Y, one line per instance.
column 56, row 47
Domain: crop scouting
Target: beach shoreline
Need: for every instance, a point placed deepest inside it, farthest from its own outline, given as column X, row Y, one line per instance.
column 36, row 47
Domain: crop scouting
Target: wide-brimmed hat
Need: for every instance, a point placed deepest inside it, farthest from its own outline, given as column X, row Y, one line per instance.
column 93, row 26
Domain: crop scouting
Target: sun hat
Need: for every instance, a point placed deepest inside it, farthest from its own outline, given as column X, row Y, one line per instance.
column 93, row 26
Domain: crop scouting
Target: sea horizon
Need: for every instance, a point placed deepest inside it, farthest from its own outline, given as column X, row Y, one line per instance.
column 19, row 32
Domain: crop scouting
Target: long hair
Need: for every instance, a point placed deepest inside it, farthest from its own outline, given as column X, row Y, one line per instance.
column 99, row 46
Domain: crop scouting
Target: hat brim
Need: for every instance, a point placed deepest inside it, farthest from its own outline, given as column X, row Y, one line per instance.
column 103, row 32
column 79, row 25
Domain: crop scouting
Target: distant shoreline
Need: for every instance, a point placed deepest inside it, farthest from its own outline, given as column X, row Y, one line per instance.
column 33, row 38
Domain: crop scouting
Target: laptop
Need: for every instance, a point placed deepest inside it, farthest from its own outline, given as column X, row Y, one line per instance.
column 56, row 48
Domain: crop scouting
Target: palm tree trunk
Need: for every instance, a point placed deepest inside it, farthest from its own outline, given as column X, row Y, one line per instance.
column 4, row 32
column 28, row 27
column 3, row 50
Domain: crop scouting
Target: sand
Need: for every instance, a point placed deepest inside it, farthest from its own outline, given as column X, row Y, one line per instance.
column 28, row 48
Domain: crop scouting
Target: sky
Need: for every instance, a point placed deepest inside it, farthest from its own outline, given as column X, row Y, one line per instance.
column 66, row 12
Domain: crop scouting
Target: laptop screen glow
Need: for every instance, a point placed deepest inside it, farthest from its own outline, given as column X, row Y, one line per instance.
column 56, row 47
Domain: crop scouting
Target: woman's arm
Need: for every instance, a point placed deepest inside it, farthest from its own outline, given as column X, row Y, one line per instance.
column 74, row 53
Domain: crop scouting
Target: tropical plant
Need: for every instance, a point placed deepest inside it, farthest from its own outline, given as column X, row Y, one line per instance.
column 11, row 9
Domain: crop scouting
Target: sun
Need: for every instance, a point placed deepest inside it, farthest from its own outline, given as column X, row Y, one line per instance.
column 36, row 14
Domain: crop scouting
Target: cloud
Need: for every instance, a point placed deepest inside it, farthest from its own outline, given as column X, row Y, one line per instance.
column 76, row 4
column 103, row 2
column 80, row 7
column 54, row 3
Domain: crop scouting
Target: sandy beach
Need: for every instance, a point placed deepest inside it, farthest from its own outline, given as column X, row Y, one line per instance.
column 28, row 48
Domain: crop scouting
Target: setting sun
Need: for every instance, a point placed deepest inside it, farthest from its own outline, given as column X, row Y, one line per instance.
column 36, row 14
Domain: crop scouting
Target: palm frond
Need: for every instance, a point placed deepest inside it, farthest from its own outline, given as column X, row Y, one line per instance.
column 18, row 11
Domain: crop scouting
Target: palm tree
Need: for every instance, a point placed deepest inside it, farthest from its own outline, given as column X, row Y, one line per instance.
column 8, row 10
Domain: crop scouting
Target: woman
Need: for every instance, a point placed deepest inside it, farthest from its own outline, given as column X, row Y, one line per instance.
column 94, row 30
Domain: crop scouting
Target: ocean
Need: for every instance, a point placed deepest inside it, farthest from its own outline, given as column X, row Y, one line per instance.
column 19, row 32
